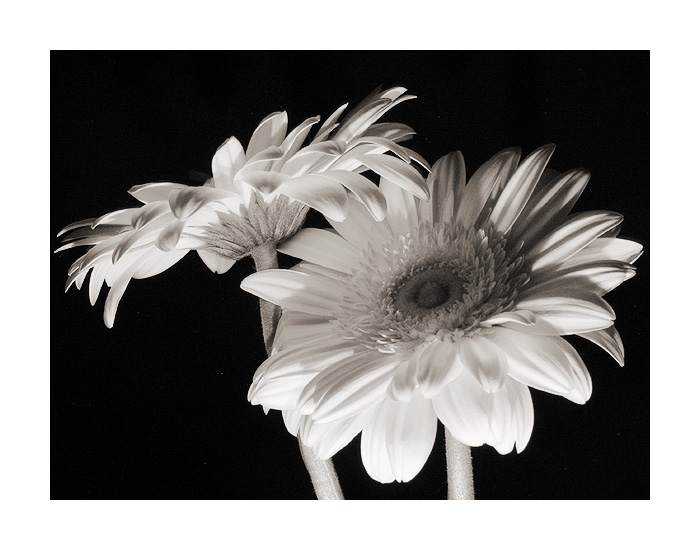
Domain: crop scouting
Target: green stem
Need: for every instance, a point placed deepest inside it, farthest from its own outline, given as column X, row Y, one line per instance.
column 323, row 476
column 460, row 478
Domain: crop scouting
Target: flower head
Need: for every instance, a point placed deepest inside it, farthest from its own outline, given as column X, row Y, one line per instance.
column 256, row 196
column 447, row 309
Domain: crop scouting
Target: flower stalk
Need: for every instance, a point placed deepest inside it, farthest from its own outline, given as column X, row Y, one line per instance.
column 460, row 477
column 323, row 476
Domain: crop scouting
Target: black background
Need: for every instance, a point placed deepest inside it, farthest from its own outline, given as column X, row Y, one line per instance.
column 156, row 408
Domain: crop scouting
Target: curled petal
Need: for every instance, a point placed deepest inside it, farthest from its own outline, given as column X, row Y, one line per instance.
column 228, row 160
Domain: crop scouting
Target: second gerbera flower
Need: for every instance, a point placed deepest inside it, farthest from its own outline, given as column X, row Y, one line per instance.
column 448, row 309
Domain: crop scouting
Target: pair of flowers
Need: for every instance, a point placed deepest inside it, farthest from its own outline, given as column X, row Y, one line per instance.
column 439, row 299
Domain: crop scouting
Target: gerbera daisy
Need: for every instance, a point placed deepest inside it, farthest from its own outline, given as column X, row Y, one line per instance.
column 257, row 196
column 448, row 309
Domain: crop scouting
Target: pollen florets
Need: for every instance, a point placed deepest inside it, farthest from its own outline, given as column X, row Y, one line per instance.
column 437, row 281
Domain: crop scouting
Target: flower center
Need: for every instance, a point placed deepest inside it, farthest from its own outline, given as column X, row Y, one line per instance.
column 438, row 281
column 428, row 290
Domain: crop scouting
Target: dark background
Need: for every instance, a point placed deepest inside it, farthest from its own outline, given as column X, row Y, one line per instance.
column 156, row 407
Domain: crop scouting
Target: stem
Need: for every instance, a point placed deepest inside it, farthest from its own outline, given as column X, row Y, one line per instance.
column 265, row 257
column 460, row 478
column 323, row 476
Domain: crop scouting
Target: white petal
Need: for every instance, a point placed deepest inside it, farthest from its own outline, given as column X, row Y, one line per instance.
column 318, row 192
column 547, row 363
column 375, row 456
column 291, row 289
column 228, row 160
column 215, row 262
column 565, row 241
column 598, row 277
column 270, row 132
column 409, row 435
column 97, row 278
column 446, row 183
column 396, row 170
column 485, row 184
column 608, row 339
column 570, row 313
column 296, row 137
column 118, row 217
column 548, row 208
column 521, row 317
column 464, row 408
column 401, row 212
column 119, row 286
column 513, row 417
column 296, row 328
column 517, row 191
column 329, row 124
column 185, row 202
column 321, row 351
column 264, row 181
column 148, row 213
column 360, row 228
column 350, row 389
column 605, row 248
column 438, row 365
column 327, row 438
column 158, row 263
column 404, row 380
column 363, row 190
column 158, row 191
column 485, row 361
column 169, row 236
column 324, row 248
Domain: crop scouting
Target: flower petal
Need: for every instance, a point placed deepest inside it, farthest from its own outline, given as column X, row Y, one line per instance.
column 264, row 181
column 318, row 192
column 485, row 361
column 169, row 236
column 464, row 408
column 548, row 208
column 322, row 247
column 158, row 191
column 215, row 262
column 348, row 387
column 547, row 363
column 401, row 212
column 375, row 455
column 227, row 161
column 608, row 339
column 404, row 380
column 363, row 189
column 294, row 290
column 605, row 248
column 119, row 286
column 516, row 193
column 187, row 201
column 327, row 438
column 570, row 237
column 360, row 228
column 396, row 170
column 438, row 365
column 571, row 312
column 270, row 132
column 485, row 184
column 409, row 433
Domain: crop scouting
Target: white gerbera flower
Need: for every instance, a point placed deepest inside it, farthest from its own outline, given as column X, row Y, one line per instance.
column 256, row 196
column 448, row 309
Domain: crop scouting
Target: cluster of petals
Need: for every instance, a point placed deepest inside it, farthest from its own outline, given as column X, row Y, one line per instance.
column 447, row 309
column 325, row 174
